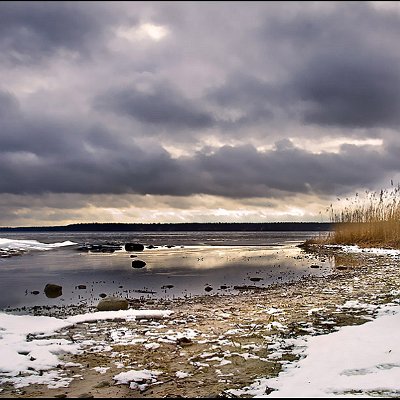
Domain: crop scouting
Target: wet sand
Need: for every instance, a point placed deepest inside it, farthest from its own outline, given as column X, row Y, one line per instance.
column 218, row 342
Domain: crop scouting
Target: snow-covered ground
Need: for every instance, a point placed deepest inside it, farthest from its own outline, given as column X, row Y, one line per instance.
column 362, row 360
column 27, row 349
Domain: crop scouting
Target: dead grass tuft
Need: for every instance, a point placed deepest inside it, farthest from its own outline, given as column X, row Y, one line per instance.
column 370, row 220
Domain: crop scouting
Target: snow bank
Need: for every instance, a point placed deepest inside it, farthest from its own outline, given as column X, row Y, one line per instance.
column 354, row 361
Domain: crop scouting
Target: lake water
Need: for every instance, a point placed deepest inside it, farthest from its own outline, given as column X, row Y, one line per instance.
column 197, row 260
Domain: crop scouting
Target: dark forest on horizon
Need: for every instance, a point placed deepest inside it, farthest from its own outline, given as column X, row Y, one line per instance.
column 178, row 227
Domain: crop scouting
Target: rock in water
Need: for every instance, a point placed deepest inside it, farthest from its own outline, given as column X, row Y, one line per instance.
column 167, row 286
column 138, row 264
column 52, row 291
column 134, row 247
column 80, row 287
column 112, row 304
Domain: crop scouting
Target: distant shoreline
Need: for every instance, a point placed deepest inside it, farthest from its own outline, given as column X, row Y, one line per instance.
column 179, row 227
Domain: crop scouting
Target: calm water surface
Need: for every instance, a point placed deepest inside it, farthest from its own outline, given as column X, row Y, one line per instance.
column 197, row 260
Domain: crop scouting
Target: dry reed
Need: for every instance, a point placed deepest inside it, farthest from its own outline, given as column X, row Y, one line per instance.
column 370, row 220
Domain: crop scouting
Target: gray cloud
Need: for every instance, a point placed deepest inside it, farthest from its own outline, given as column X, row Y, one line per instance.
column 8, row 105
column 163, row 105
column 32, row 31
column 40, row 158
column 246, row 172
column 351, row 92
column 339, row 68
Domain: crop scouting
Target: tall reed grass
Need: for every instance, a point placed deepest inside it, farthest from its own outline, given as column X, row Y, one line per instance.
column 368, row 220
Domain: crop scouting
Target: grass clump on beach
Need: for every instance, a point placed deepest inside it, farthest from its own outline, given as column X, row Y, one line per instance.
column 371, row 220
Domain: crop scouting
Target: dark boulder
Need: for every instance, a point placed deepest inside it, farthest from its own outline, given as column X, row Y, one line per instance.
column 52, row 291
column 134, row 247
column 208, row 288
column 138, row 264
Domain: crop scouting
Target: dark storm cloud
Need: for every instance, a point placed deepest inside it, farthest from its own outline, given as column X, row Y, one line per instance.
column 245, row 172
column 8, row 105
column 163, row 105
column 94, row 163
column 256, row 100
column 31, row 31
column 354, row 92
column 349, row 91
column 35, row 134
column 39, row 156
column 340, row 68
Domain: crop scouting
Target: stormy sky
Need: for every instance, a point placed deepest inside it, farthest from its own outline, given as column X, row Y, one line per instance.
column 195, row 112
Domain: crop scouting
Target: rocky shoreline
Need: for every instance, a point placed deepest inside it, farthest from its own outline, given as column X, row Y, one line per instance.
column 212, row 345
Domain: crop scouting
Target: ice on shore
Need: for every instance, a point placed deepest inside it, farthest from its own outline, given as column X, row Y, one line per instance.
column 25, row 245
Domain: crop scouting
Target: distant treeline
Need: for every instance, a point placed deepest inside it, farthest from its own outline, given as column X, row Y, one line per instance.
column 180, row 227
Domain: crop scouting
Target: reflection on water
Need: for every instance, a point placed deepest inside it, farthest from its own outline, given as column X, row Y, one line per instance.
column 236, row 259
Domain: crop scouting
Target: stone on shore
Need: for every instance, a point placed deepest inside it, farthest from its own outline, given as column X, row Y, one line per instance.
column 113, row 304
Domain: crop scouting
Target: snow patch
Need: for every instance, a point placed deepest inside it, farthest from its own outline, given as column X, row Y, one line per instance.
column 370, row 250
column 354, row 361
column 137, row 379
column 182, row 374
column 101, row 370
column 27, row 351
